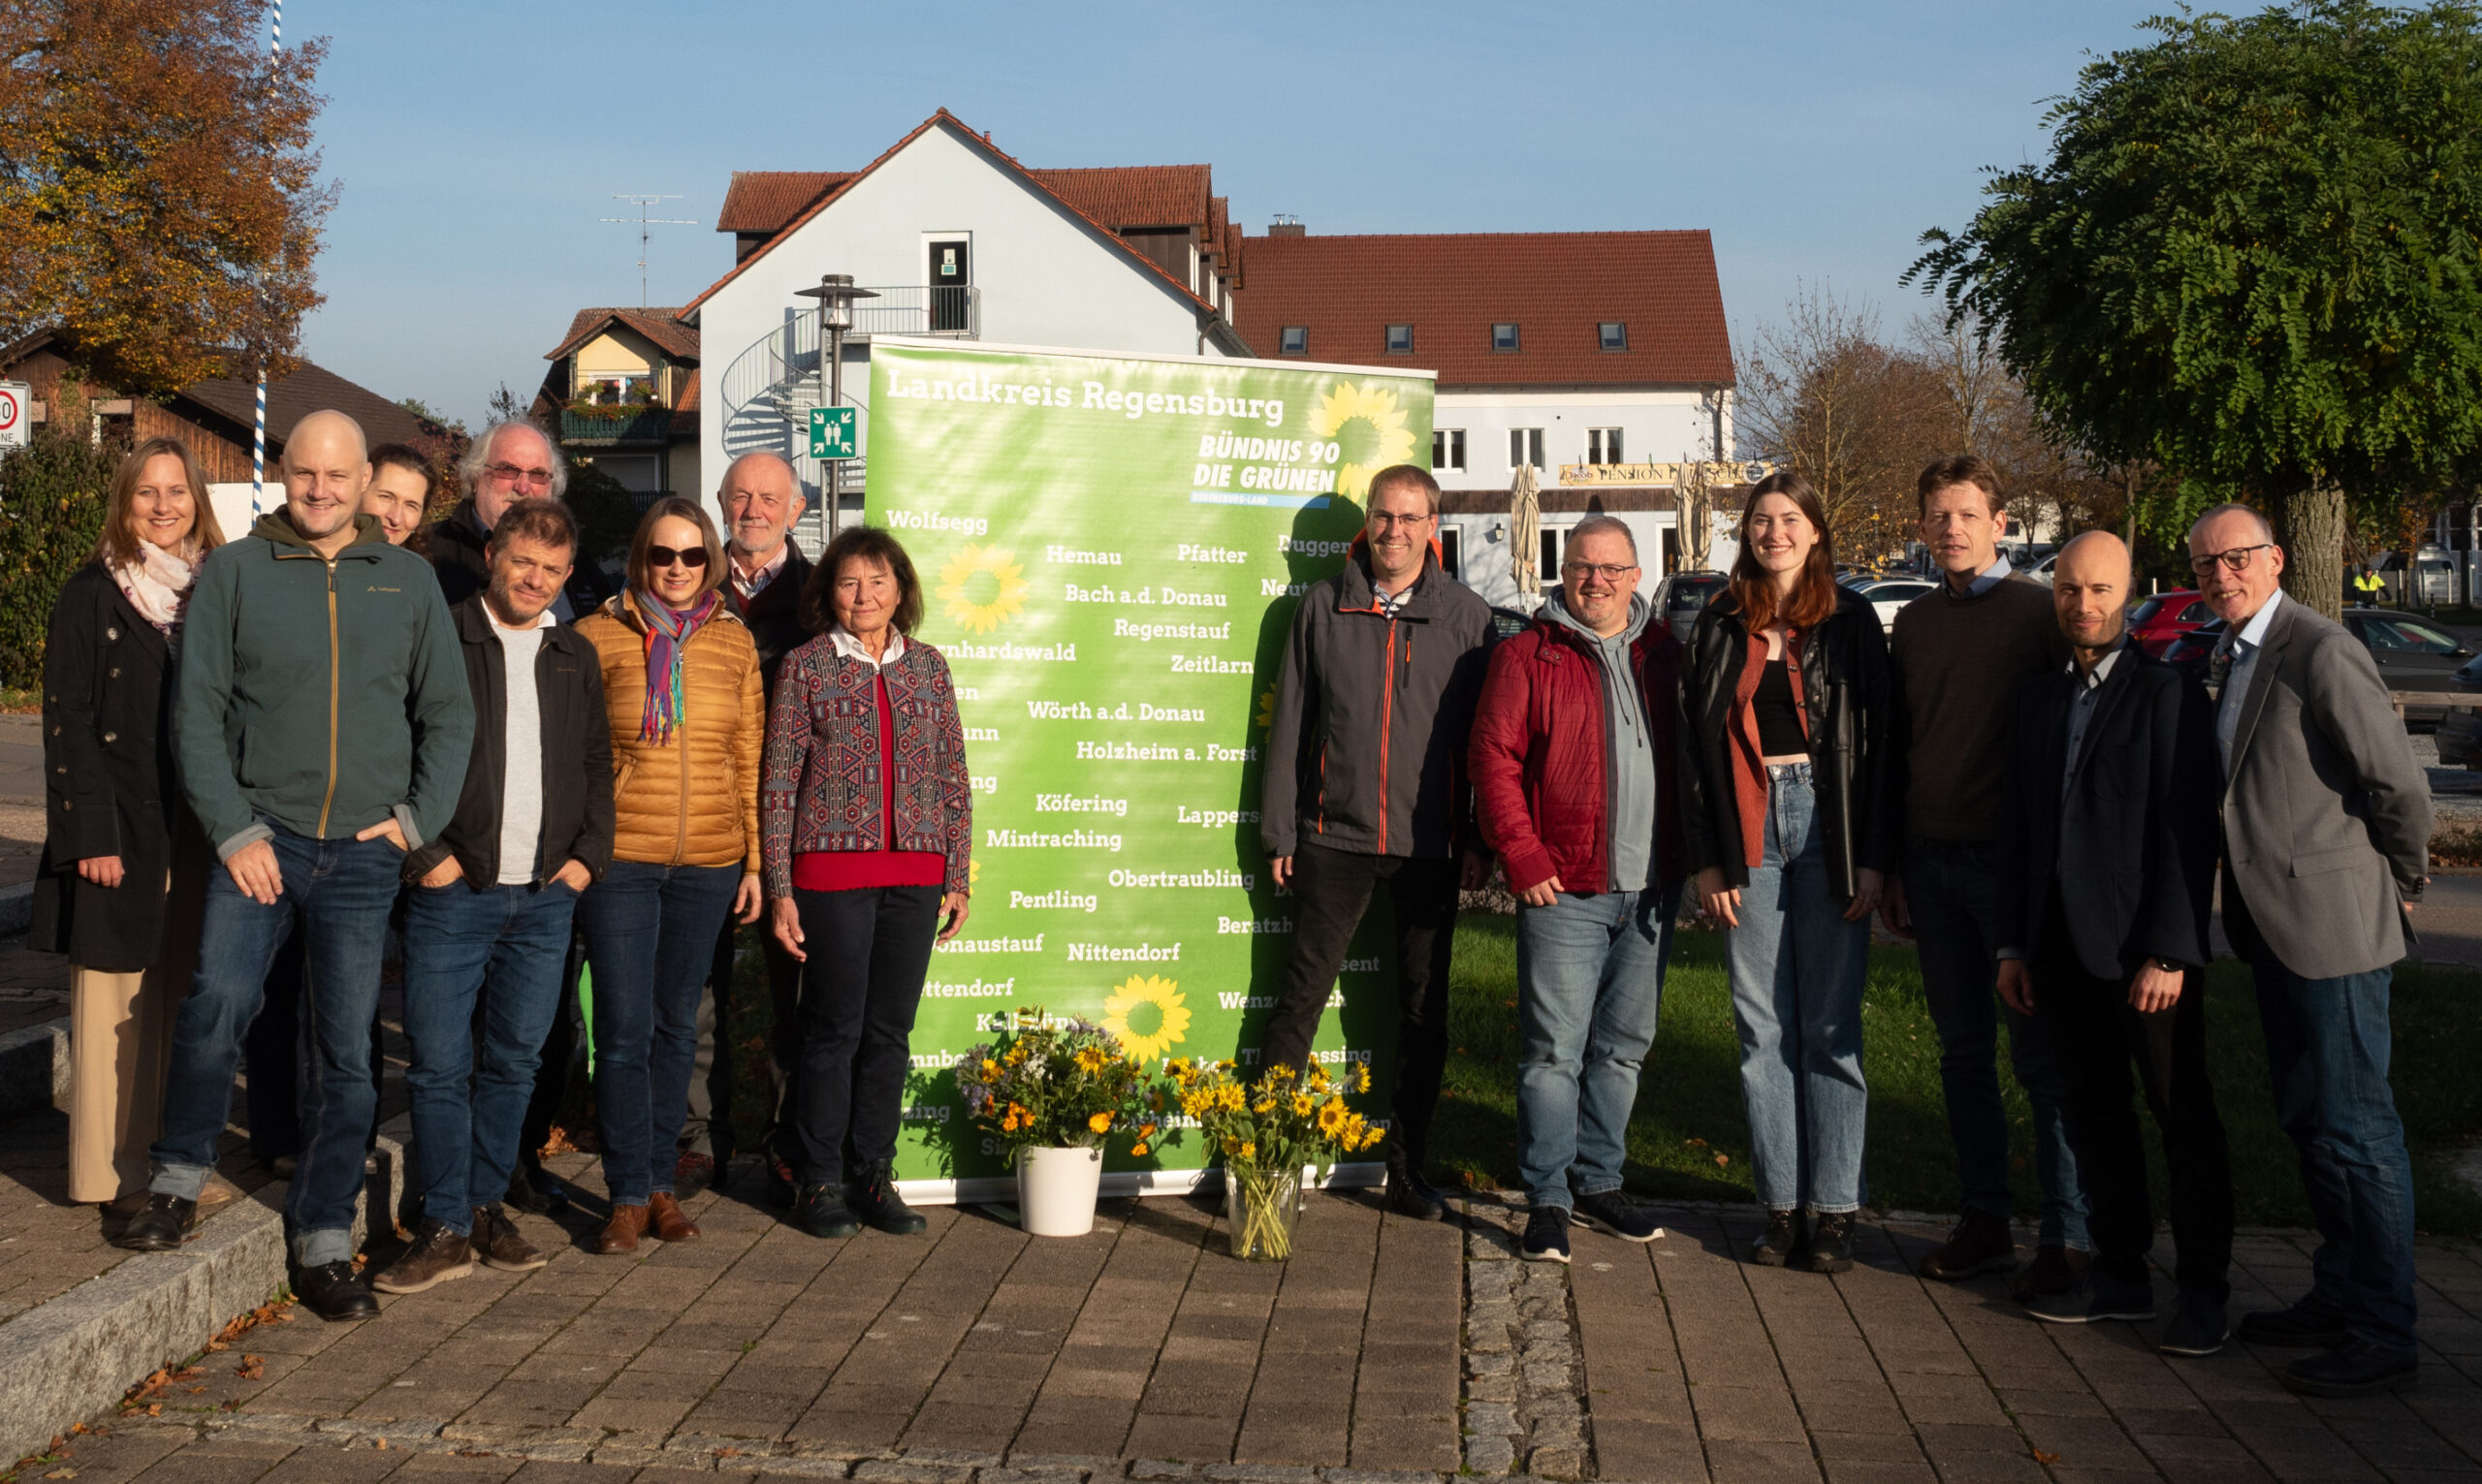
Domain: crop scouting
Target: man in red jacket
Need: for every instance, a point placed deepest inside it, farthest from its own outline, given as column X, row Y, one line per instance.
column 1575, row 788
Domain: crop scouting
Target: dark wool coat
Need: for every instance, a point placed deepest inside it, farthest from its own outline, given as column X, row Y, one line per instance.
column 109, row 787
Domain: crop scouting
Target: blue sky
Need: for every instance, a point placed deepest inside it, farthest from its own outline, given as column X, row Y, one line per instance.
column 477, row 144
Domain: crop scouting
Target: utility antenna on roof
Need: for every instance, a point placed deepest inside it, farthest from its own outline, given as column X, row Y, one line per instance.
column 644, row 221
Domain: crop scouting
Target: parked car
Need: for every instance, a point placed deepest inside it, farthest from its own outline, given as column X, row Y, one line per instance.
column 2041, row 570
column 1894, row 593
column 2411, row 654
column 2430, row 584
column 1683, row 595
column 2460, row 733
column 2159, row 620
column 1509, row 623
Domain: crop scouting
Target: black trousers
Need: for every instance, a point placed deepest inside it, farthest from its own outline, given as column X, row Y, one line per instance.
column 724, row 1040
column 1331, row 891
column 2097, row 1036
column 869, row 951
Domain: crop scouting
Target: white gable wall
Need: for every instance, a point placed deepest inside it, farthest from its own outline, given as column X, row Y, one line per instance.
column 1043, row 274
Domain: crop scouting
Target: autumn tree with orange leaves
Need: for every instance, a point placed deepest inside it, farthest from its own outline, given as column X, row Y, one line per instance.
column 159, row 200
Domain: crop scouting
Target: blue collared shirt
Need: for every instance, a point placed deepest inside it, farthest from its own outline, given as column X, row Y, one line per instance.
column 2241, row 648
column 1992, row 577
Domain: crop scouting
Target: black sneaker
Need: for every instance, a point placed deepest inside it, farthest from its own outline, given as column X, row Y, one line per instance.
column 1410, row 1196
column 162, row 1225
column 1978, row 1242
column 876, row 1203
column 821, row 1212
column 1831, row 1244
column 334, row 1292
column 2097, row 1298
column 2307, row 1325
column 2200, row 1328
column 1617, row 1213
column 1775, row 1246
column 1546, row 1234
column 436, row 1256
column 534, row 1190
column 2353, row 1367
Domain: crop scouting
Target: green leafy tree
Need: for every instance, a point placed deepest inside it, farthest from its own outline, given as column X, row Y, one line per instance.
column 52, row 494
column 2251, row 259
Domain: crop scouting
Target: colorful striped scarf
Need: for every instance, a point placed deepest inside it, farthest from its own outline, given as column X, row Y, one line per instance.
column 668, row 633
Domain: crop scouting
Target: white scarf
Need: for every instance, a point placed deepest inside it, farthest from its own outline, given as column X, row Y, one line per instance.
column 157, row 585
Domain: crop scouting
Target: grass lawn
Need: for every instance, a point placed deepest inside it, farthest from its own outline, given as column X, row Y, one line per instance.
column 1689, row 1139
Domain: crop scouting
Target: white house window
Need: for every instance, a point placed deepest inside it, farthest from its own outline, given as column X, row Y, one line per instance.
column 1400, row 339
column 1448, row 448
column 1503, row 337
column 1613, row 335
column 1525, row 447
column 1294, row 340
column 1603, row 445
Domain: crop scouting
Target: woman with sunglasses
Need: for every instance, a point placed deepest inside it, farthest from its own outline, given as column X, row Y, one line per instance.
column 681, row 677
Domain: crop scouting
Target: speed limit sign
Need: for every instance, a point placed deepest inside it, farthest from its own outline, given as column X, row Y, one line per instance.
column 14, row 413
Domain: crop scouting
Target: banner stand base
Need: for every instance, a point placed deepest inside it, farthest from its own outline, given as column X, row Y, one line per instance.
column 1002, row 1189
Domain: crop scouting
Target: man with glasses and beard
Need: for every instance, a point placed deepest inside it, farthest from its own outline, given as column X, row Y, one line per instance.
column 510, row 461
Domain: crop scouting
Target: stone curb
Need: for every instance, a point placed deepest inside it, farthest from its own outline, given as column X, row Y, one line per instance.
column 67, row 1359
column 34, row 1067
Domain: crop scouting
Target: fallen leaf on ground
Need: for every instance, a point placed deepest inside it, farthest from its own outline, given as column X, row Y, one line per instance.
column 252, row 1367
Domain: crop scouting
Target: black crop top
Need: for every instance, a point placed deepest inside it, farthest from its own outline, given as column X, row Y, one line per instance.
column 1779, row 724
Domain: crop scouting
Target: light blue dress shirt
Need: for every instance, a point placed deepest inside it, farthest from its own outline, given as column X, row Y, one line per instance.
column 2242, row 649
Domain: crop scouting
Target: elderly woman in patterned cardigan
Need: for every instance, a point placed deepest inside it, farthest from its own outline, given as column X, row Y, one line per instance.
column 866, row 820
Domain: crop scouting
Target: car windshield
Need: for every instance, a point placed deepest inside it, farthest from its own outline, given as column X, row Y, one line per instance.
column 1693, row 592
column 2145, row 610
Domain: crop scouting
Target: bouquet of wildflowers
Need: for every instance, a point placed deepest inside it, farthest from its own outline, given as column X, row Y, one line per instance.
column 1268, row 1131
column 1053, row 1083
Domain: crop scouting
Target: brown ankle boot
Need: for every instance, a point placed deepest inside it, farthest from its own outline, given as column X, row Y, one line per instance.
column 668, row 1220
column 619, row 1235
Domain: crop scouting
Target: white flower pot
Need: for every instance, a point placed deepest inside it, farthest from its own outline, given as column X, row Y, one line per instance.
column 1055, row 1190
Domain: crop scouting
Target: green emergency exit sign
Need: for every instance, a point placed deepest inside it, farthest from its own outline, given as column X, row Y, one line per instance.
column 835, row 432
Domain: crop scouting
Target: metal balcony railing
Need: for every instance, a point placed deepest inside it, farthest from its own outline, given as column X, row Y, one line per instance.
column 627, row 425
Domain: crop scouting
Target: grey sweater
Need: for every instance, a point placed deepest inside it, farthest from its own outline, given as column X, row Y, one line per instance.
column 1627, row 745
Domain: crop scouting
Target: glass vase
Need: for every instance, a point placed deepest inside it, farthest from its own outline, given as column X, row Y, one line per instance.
column 1260, row 1210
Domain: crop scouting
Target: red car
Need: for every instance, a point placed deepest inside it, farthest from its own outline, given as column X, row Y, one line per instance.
column 2165, row 617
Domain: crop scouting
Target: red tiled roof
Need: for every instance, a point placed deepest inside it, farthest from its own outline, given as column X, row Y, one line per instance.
column 943, row 117
column 765, row 200
column 1451, row 288
column 661, row 326
column 1131, row 196
column 308, row 390
column 684, row 408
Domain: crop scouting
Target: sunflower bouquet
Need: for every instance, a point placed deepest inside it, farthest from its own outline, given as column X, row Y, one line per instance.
column 1051, row 1083
column 1268, row 1131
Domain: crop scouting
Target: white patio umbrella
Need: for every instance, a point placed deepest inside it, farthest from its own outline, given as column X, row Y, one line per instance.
column 1525, row 533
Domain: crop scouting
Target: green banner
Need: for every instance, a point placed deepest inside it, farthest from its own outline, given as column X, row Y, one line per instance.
column 1111, row 549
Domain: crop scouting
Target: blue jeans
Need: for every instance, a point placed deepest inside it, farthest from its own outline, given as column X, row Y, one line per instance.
column 650, row 939
column 1590, row 977
column 503, row 947
column 2327, row 1051
column 340, row 891
column 1797, row 969
column 1952, row 889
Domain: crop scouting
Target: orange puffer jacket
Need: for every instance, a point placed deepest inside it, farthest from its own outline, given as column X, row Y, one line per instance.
column 692, row 800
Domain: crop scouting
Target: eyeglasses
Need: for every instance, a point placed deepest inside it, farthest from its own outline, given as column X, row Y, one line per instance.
column 511, row 474
column 2235, row 561
column 1607, row 570
column 693, row 557
column 1381, row 520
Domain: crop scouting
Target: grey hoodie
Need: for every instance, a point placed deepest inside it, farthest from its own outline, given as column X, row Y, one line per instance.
column 1631, row 771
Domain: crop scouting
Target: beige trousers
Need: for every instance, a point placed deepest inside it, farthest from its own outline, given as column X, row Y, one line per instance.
column 120, row 1046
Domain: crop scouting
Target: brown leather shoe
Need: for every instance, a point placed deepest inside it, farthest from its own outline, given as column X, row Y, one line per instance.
column 2054, row 1270
column 668, row 1220
column 619, row 1235
column 1980, row 1242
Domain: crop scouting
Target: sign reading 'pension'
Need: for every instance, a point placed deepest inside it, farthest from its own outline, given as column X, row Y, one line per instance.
column 1111, row 550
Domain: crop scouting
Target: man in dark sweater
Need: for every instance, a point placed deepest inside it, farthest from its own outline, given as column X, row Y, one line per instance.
column 1960, row 654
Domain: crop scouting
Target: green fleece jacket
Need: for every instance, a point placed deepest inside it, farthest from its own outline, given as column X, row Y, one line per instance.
column 323, row 695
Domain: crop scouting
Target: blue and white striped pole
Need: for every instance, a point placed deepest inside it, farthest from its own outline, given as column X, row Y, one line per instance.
column 259, row 423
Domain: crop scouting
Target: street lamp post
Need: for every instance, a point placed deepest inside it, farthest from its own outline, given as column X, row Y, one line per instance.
column 835, row 295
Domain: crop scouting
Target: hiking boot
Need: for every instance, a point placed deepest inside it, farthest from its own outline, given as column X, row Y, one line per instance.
column 161, row 1225
column 2353, row 1367
column 1618, row 1212
column 437, row 1255
column 334, row 1292
column 1978, row 1242
column 667, row 1220
column 2054, row 1270
column 535, row 1190
column 876, row 1203
column 821, row 1212
column 1831, row 1244
column 1546, row 1234
column 496, row 1242
column 2309, row 1325
column 2095, row 1298
column 1775, row 1246
column 2198, row 1329
column 1410, row 1196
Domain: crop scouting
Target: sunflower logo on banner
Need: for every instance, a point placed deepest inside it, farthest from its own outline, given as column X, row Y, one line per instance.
column 1265, row 715
column 983, row 587
column 1146, row 1013
column 1380, row 439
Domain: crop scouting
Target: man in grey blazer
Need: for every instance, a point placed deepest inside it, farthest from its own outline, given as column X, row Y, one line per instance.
column 2326, row 840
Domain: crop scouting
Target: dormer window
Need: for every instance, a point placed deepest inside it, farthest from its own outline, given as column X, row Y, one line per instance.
column 1613, row 335
column 1400, row 339
column 1294, row 340
column 1503, row 337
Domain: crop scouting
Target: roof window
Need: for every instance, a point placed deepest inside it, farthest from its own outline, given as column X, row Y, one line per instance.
column 1400, row 339
column 1613, row 335
column 1503, row 337
column 1294, row 340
